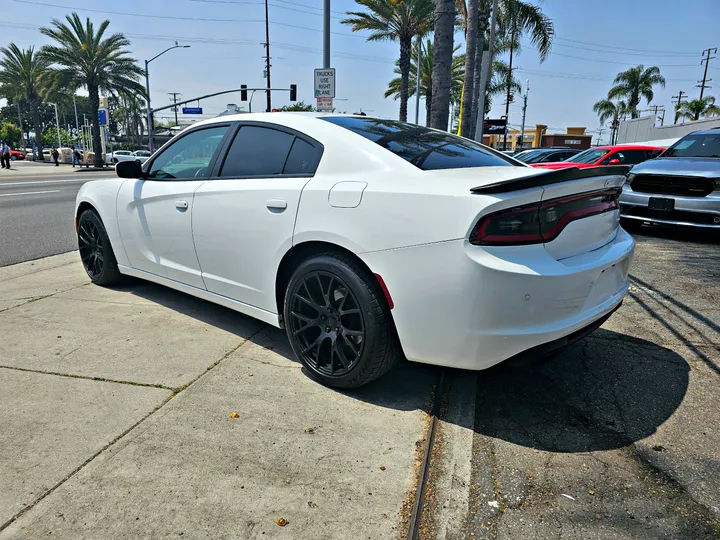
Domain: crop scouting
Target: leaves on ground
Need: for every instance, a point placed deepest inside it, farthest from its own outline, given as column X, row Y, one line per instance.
column 281, row 521
column 309, row 430
column 234, row 415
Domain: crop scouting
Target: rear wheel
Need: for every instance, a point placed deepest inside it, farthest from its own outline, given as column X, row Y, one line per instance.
column 13, row 158
column 338, row 321
column 95, row 250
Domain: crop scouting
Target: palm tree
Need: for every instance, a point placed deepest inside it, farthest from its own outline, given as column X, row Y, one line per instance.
column 20, row 81
column 131, row 112
column 85, row 58
column 695, row 108
column 397, row 21
column 605, row 108
column 445, row 11
column 634, row 84
column 471, row 42
column 426, row 68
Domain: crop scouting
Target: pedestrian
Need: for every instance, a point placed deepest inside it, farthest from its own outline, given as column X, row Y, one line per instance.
column 55, row 156
column 4, row 155
column 76, row 157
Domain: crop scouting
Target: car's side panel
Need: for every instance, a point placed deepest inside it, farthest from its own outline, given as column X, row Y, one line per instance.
column 154, row 217
column 101, row 195
column 242, row 228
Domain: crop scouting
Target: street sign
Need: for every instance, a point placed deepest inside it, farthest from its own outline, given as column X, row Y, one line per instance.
column 325, row 104
column 495, row 127
column 325, row 83
column 102, row 117
column 192, row 110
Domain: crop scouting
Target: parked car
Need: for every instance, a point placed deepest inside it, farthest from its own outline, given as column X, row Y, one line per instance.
column 544, row 155
column 141, row 155
column 118, row 156
column 606, row 155
column 368, row 240
column 680, row 187
column 16, row 154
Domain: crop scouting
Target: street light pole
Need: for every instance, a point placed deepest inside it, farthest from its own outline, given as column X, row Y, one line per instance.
column 57, row 124
column 418, row 71
column 151, row 144
column 326, row 34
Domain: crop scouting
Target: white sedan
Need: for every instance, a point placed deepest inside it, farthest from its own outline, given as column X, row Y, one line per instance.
column 366, row 239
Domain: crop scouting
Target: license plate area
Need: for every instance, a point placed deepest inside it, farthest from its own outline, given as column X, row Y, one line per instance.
column 661, row 203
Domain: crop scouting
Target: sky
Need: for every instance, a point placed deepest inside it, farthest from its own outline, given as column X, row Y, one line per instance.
column 594, row 40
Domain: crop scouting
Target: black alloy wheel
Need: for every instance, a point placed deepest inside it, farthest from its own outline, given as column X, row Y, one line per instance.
column 338, row 321
column 326, row 320
column 95, row 250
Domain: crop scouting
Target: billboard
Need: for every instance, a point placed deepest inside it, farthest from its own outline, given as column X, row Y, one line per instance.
column 494, row 127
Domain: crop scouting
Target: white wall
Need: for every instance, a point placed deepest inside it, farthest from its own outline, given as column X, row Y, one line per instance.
column 643, row 130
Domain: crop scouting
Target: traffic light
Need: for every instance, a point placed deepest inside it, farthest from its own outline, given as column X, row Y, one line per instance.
column 243, row 92
column 293, row 92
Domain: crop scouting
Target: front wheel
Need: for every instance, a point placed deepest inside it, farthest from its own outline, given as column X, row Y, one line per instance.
column 95, row 250
column 338, row 321
column 13, row 158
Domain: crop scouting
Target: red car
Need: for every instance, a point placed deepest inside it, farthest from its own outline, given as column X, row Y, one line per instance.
column 16, row 154
column 605, row 155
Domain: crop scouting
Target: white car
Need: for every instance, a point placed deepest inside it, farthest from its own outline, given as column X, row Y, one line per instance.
column 118, row 156
column 141, row 155
column 366, row 239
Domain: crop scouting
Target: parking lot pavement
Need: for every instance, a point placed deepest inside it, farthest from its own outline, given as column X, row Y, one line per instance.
column 619, row 437
column 121, row 405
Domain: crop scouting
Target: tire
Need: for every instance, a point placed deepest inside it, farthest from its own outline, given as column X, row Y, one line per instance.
column 338, row 321
column 96, row 252
column 114, row 160
column 13, row 158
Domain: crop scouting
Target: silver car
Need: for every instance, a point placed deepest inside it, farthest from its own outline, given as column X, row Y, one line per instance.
column 679, row 187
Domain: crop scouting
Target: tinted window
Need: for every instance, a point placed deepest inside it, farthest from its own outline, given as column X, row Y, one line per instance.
column 589, row 156
column 632, row 157
column 696, row 145
column 257, row 151
column 189, row 156
column 302, row 158
column 425, row 148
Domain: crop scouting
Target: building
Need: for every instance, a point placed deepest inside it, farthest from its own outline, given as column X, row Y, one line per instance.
column 574, row 137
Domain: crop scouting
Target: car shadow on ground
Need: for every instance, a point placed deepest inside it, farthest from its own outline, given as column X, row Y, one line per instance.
column 604, row 392
column 408, row 386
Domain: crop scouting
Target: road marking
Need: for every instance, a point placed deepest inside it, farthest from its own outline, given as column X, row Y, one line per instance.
column 28, row 193
column 41, row 182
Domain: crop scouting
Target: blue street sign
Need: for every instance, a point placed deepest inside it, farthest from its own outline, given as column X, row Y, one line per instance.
column 192, row 110
column 102, row 117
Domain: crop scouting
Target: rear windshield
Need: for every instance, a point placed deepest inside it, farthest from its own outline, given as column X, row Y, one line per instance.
column 423, row 147
column 589, row 156
column 696, row 145
column 525, row 156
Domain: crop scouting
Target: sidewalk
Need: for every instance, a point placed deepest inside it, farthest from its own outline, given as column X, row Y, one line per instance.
column 117, row 407
column 43, row 168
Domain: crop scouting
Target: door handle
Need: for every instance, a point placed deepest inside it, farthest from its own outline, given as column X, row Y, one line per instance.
column 181, row 205
column 276, row 204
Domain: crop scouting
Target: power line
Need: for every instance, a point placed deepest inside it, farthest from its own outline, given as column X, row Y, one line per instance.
column 625, row 48
column 240, row 2
column 177, row 18
column 565, row 75
column 553, row 53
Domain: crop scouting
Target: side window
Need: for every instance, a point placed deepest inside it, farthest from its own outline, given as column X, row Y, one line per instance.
column 613, row 155
column 633, row 157
column 188, row 157
column 257, row 151
column 302, row 158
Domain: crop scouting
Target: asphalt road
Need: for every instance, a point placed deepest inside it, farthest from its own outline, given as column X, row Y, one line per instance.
column 36, row 210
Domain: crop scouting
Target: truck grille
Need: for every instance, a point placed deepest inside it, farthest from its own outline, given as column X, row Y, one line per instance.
column 693, row 186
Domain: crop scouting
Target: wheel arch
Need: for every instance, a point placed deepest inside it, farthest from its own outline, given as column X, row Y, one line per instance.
column 301, row 252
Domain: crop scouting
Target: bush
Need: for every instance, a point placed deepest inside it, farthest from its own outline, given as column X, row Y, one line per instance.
column 11, row 135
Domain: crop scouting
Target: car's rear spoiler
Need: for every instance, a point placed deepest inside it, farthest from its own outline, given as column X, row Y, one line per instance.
column 551, row 177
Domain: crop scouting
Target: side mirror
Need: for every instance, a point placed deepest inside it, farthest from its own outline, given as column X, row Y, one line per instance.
column 129, row 169
column 614, row 162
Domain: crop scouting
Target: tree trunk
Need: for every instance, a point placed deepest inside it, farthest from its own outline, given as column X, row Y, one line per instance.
column 470, row 48
column 442, row 66
column 405, row 56
column 38, row 134
column 483, row 23
column 428, row 106
column 94, row 102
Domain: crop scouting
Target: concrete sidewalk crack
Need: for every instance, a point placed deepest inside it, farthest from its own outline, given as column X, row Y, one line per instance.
column 175, row 392
column 86, row 377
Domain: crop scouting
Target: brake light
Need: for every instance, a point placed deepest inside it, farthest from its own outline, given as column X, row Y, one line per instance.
column 540, row 222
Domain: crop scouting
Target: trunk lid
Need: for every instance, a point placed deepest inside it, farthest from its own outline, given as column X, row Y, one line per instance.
column 568, row 196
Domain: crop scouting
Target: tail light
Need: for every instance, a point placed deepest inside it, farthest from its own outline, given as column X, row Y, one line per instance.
column 540, row 222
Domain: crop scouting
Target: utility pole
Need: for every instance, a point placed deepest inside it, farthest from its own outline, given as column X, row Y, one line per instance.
column 679, row 99
column 175, row 100
column 418, row 71
column 706, row 61
column 522, row 129
column 509, row 89
column 326, row 34
column 600, row 132
column 267, row 57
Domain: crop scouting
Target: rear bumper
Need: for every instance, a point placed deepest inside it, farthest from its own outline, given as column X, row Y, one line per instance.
column 701, row 212
column 470, row 307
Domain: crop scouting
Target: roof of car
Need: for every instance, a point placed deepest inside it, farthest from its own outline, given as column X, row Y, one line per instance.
column 628, row 146
column 711, row 131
